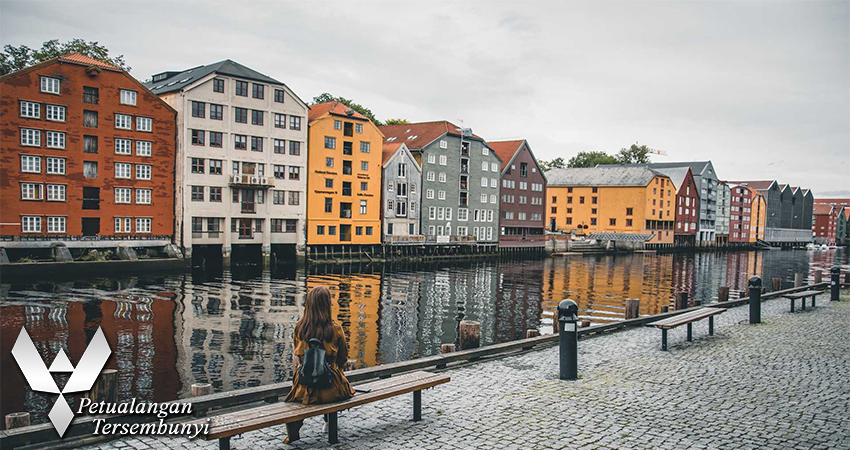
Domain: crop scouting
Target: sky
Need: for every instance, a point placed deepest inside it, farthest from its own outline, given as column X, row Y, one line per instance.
column 760, row 88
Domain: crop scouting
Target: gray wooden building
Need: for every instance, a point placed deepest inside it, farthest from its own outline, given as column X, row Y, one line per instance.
column 401, row 192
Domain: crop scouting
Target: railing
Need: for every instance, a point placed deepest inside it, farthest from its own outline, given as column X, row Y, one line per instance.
column 417, row 239
column 345, row 214
column 451, row 239
column 251, row 180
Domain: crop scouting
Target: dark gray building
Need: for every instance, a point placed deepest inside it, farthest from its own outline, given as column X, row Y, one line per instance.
column 789, row 212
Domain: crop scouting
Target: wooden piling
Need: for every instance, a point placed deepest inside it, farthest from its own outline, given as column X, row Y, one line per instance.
column 681, row 300
column 531, row 333
column 847, row 278
column 469, row 334
column 447, row 348
column 632, row 308
column 777, row 284
column 555, row 328
column 818, row 277
column 798, row 279
column 105, row 389
column 351, row 364
column 17, row 420
column 199, row 389
column 584, row 323
column 723, row 294
column 665, row 309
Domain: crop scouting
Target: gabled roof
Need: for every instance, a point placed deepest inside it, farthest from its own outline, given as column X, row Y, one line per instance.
column 697, row 167
column 335, row 109
column 821, row 210
column 389, row 150
column 506, row 150
column 676, row 174
column 418, row 135
column 613, row 175
column 175, row 81
column 757, row 185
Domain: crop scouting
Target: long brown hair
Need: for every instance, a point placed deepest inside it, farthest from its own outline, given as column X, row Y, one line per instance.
column 316, row 321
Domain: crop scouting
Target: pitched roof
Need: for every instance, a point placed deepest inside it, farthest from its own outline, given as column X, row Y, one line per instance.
column 696, row 166
column 833, row 201
column 174, row 81
column 757, row 185
column 820, row 209
column 79, row 58
column 389, row 150
column 676, row 174
column 418, row 135
column 506, row 149
column 333, row 108
column 622, row 175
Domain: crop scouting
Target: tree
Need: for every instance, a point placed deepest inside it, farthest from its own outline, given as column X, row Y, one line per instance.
column 16, row 58
column 557, row 163
column 326, row 97
column 634, row 155
column 396, row 122
column 591, row 159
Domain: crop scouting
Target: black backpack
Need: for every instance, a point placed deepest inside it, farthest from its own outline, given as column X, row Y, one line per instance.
column 314, row 371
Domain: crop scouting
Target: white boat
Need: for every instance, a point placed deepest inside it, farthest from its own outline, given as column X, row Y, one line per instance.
column 824, row 247
column 810, row 246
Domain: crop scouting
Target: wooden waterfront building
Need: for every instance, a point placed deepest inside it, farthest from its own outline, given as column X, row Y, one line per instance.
column 687, row 204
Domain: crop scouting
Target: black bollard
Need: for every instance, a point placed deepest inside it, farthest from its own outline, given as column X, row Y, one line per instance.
column 835, row 276
column 755, row 299
column 568, row 339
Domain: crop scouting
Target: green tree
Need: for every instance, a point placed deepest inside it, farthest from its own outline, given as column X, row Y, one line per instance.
column 634, row 155
column 591, row 159
column 557, row 163
column 326, row 97
column 396, row 122
column 16, row 58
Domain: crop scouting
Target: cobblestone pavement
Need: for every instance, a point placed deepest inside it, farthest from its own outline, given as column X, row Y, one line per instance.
column 784, row 384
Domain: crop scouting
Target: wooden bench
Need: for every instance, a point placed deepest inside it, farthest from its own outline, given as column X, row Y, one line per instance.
column 688, row 319
column 223, row 427
column 802, row 296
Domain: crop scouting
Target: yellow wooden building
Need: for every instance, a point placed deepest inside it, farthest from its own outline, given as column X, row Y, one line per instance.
column 631, row 199
column 344, row 177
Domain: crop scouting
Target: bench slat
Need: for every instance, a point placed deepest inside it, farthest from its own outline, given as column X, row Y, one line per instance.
column 227, row 425
column 803, row 294
column 689, row 317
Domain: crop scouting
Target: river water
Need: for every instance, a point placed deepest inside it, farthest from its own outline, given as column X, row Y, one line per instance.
column 233, row 329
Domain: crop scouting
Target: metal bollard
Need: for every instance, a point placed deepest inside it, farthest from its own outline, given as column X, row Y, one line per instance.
column 755, row 299
column 835, row 276
column 568, row 339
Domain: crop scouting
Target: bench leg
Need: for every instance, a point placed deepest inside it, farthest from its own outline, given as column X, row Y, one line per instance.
column 690, row 332
column 814, row 297
column 711, row 325
column 803, row 301
column 663, row 340
column 224, row 443
column 417, row 406
column 792, row 305
column 333, row 436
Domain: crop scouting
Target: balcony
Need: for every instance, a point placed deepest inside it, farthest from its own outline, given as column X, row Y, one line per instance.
column 251, row 181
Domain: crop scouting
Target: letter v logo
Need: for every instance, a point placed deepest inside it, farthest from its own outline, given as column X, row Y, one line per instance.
column 82, row 377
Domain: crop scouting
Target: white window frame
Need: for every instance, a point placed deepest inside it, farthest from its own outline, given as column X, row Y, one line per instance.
column 494, row 183
column 443, row 160
column 30, row 110
column 54, row 113
column 32, row 191
column 123, row 122
column 431, row 176
column 442, row 177
column 432, row 213
column 144, row 148
column 485, row 166
column 55, row 139
column 123, row 195
column 483, row 181
column 143, row 225
column 444, row 144
column 483, row 198
column 31, row 224
column 56, row 224
column 55, row 166
column 30, row 164
column 493, row 198
column 123, row 146
column 30, row 137
column 441, row 195
column 143, row 196
column 50, row 85
column 432, row 158
column 462, row 215
column 128, row 97
column 125, row 172
column 143, row 171
column 144, row 124
column 56, row 192
column 429, row 194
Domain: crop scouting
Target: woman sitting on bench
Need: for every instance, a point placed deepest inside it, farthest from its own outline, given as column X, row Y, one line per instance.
column 316, row 323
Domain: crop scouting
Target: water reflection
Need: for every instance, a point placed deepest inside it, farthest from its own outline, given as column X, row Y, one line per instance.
column 233, row 329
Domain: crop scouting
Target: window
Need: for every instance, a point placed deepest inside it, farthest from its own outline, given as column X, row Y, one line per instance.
column 365, row 147
column 55, row 139
column 143, row 196
column 258, row 91
column 215, row 139
column 612, row 221
column 199, row 109
column 279, row 171
column 89, row 169
column 55, row 166
column 347, row 148
column 56, row 224
column 279, row 146
column 363, row 207
column 143, row 225
column 144, row 124
column 218, row 85
column 346, row 188
column 294, row 198
column 330, row 142
column 441, row 195
column 256, row 117
column 332, row 230
column 123, row 170
column 593, row 221
column 128, row 97
column 55, row 113
column 329, row 204
column 241, row 88
column 197, row 193
column 294, row 173
column 320, row 230
column 50, row 85
column 123, row 121
column 256, row 144
column 216, row 112
column 30, row 109
column 483, row 181
column 240, row 142
column 629, row 222
column 31, row 224
column 358, row 128
column 143, row 171
column 280, row 120
column 364, row 165
column 143, row 148
column 431, row 176
column 123, row 195
column 279, row 197
column 240, row 115
column 580, row 200
column 594, row 200
column 429, row 194
column 123, row 146
column 432, row 158
column 55, row 192
column 329, row 162
column 32, row 191
column 90, row 119
column 30, row 138
column 215, row 194
column 294, row 148
column 90, row 95
column 294, row 123
column 30, row 164
column 278, row 95
column 629, row 211
column 346, row 167
column 197, row 165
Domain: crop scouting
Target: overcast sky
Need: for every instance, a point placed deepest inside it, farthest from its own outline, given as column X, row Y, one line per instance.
column 760, row 88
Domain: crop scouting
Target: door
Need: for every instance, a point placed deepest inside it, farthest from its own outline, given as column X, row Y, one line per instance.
column 91, row 226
